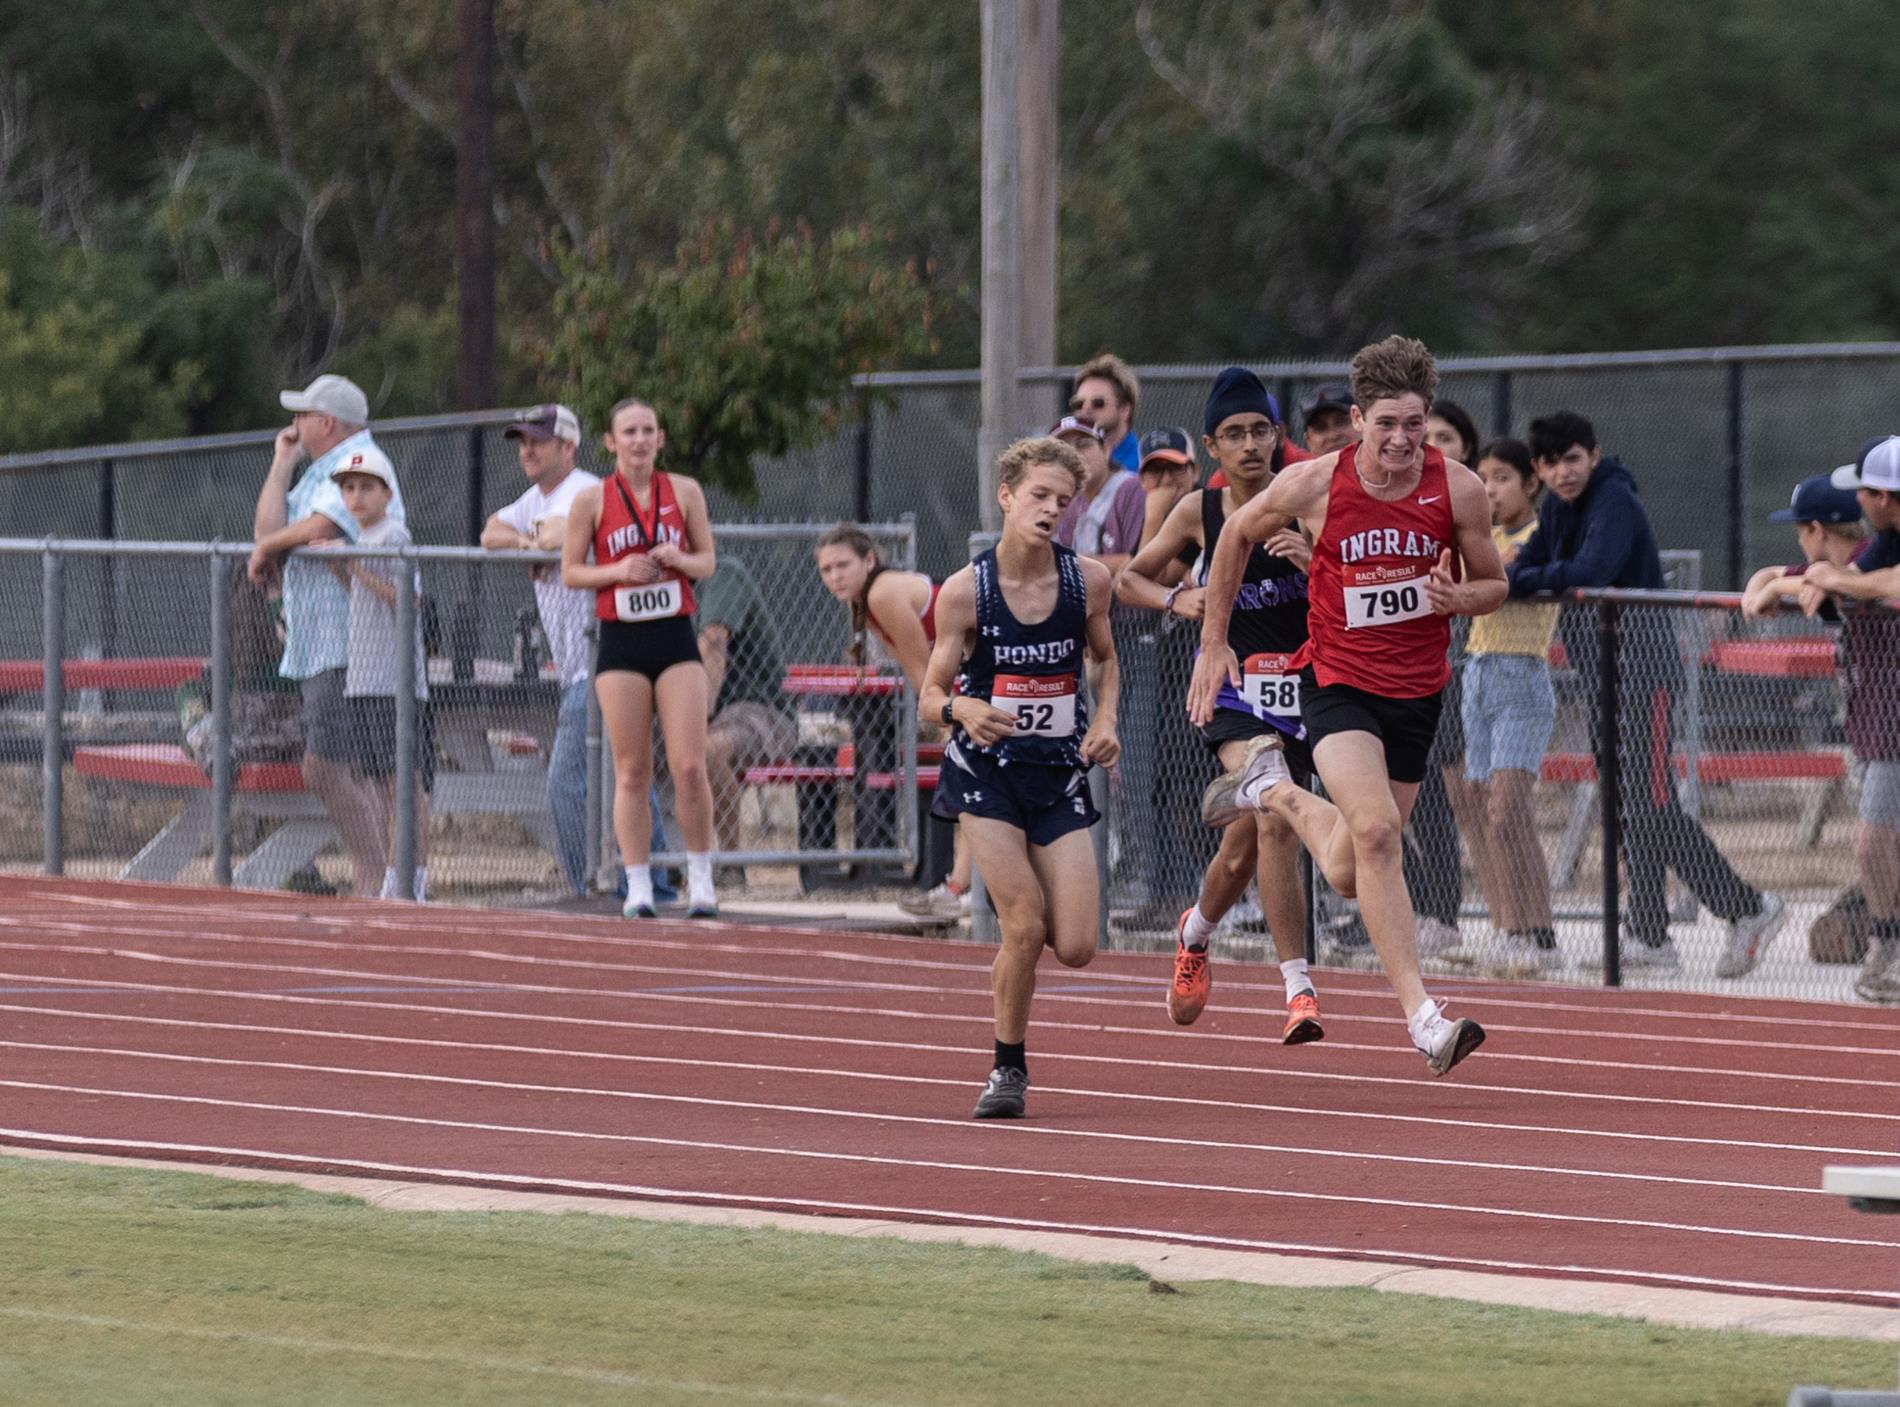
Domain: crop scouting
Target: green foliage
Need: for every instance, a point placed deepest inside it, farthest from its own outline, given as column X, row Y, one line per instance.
column 745, row 346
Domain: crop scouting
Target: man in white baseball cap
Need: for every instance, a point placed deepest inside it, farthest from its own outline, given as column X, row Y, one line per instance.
column 327, row 433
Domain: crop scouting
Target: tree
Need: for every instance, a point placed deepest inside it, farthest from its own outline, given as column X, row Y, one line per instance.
column 744, row 346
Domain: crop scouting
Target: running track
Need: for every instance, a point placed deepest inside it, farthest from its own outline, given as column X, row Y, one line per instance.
column 1656, row 1138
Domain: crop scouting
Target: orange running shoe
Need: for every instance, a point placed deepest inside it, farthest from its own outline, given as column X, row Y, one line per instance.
column 1302, row 1020
column 1187, row 993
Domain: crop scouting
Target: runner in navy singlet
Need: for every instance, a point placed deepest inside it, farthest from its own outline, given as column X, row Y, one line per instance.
column 1267, row 629
column 1018, row 624
column 648, row 538
column 1387, row 516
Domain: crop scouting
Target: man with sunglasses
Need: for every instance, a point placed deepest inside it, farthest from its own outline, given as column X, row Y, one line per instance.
column 1105, row 392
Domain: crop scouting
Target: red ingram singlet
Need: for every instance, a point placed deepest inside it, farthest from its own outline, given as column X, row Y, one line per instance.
column 623, row 532
column 928, row 618
column 1370, row 624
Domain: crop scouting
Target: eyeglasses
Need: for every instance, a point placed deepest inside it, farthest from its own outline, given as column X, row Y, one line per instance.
column 1234, row 436
column 1089, row 403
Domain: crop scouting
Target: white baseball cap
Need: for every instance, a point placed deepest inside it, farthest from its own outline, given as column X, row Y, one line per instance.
column 1877, row 468
column 335, row 396
column 366, row 460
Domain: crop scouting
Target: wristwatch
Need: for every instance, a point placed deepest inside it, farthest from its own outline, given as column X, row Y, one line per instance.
column 948, row 719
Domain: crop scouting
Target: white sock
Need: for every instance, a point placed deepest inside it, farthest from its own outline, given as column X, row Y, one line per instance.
column 1293, row 973
column 389, row 884
column 699, row 877
column 1272, row 768
column 639, row 887
column 422, row 883
column 1197, row 930
column 1421, row 1020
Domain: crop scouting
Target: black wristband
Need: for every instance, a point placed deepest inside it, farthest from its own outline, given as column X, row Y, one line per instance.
column 949, row 719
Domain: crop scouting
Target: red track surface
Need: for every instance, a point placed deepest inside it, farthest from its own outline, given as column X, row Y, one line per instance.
column 1665, row 1139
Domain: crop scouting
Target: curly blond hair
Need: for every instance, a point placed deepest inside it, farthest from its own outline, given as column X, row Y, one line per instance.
column 1027, row 454
column 1396, row 367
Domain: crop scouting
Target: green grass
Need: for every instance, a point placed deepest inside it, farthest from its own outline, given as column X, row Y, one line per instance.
column 160, row 1288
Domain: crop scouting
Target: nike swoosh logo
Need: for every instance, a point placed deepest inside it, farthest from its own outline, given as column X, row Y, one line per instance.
column 1433, row 499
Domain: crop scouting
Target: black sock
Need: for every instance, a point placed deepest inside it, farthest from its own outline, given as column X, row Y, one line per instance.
column 1545, row 938
column 1885, row 929
column 1010, row 1057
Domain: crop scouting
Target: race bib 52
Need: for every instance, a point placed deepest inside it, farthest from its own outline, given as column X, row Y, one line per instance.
column 1044, row 706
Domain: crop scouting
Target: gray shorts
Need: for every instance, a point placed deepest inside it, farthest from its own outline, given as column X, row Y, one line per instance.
column 326, row 718
column 1880, row 794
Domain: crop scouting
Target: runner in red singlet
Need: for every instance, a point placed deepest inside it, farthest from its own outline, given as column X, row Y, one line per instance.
column 639, row 541
column 1402, row 542
column 900, row 608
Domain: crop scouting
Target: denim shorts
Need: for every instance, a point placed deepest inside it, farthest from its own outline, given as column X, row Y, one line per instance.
column 1509, row 708
column 1880, row 794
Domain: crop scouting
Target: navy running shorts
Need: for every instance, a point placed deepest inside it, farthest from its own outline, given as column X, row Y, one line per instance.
column 1044, row 802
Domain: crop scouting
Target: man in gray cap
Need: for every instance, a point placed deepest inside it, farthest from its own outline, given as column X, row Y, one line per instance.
column 327, row 434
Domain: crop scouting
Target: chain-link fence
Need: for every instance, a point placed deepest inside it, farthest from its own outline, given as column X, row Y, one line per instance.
column 173, row 748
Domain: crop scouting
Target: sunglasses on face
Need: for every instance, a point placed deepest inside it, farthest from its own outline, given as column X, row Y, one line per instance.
column 1090, row 403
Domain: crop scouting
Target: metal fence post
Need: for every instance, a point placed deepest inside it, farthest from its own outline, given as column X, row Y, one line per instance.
column 1737, row 478
column 1500, row 404
column 405, row 837
column 983, row 925
column 53, row 745
column 1609, row 785
column 597, row 830
column 222, row 768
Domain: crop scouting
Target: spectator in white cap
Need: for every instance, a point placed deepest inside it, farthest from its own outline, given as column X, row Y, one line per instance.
column 326, row 433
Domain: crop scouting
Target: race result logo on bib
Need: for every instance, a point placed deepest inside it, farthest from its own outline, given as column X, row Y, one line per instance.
column 1384, row 596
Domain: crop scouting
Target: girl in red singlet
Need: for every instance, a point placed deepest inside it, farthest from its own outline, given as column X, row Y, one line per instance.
column 649, row 540
column 901, row 607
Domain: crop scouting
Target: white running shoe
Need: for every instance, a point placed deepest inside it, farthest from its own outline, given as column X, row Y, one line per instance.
column 942, row 903
column 1264, row 762
column 1444, row 1043
column 1436, row 938
column 1748, row 938
column 1517, row 955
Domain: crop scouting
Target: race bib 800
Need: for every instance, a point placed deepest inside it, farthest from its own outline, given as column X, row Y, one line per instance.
column 655, row 600
column 1044, row 706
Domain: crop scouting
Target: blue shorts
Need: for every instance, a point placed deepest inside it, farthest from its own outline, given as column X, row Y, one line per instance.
column 1880, row 794
column 1509, row 707
column 1044, row 802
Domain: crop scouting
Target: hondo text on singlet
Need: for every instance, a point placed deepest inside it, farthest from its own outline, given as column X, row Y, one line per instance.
column 626, row 532
column 1266, row 630
column 1032, row 671
column 1371, row 624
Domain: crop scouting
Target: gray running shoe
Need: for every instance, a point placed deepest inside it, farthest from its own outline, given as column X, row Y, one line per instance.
column 1638, row 956
column 1444, row 1043
column 1220, row 803
column 1748, row 938
column 1002, row 1097
column 1879, row 976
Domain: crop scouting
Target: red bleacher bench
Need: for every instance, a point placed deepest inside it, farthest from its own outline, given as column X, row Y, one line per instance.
column 1572, row 768
column 158, row 672
column 929, row 756
column 168, row 765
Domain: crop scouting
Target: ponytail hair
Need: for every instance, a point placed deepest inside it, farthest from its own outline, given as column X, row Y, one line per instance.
column 857, row 540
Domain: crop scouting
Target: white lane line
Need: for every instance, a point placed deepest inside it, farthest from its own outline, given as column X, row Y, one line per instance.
column 464, row 1362
column 1156, row 1031
column 827, row 1038
column 1832, row 1017
column 830, row 1155
column 928, row 1121
column 878, row 1076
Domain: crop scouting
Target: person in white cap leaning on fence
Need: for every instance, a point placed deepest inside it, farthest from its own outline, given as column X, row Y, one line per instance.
column 327, row 432
column 1871, row 682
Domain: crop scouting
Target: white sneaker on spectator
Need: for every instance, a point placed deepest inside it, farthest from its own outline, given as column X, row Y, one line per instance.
column 942, row 903
column 1660, row 957
column 1748, row 938
column 1437, row 938
column 1879, row 977
column 1518, row 955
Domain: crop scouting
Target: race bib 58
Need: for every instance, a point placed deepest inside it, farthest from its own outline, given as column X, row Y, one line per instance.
column 656, row 600
column 1044, row 707
column 1271, row 686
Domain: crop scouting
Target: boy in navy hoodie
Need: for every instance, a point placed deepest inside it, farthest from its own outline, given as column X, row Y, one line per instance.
column 1592, row 531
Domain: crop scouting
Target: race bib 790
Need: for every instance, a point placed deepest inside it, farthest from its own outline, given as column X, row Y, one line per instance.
column 1386, row 602
column 1044, row 706
column 655, row 600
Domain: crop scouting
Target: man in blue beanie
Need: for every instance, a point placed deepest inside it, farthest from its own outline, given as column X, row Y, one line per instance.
column 1241, row 432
